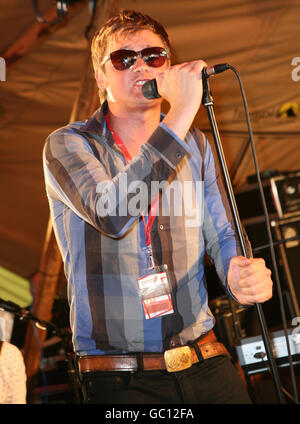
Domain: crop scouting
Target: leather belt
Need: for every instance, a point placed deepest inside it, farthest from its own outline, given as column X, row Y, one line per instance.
column 172, row 360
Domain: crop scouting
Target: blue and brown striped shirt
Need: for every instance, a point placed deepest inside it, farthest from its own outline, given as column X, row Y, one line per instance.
column 104, row 253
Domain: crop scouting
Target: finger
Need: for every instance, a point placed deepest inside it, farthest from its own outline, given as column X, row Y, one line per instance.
column 259, row 297
column 250, row 277
column 257, row 293
column 194, row 67
column 241, row 261
column 255, row 266
column 198, row 65
column 257, row 289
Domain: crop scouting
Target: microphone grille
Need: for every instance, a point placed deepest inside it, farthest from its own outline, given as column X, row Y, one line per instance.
column 149, row 90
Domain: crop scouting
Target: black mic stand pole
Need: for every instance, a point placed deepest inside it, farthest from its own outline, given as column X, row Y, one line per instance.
column 207, row 101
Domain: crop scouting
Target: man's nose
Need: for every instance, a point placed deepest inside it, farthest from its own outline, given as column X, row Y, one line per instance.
column 139, row 64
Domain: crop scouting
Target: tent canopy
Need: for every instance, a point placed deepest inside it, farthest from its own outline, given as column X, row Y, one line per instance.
column 259, row 38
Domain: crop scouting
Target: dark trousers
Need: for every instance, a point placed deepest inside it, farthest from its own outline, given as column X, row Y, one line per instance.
column 214, row 380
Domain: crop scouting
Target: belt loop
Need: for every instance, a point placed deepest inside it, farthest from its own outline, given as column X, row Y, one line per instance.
column 198, row 351
column 140, row 362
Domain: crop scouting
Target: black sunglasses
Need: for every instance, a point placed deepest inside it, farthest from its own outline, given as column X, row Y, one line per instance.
column 125, row 59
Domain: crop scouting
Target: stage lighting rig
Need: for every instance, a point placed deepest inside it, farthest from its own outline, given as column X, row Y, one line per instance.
column 61, row 11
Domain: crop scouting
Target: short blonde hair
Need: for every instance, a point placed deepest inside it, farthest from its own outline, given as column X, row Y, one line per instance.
column 126, row 22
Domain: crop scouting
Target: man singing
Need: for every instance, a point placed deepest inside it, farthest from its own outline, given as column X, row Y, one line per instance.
column 136, row 203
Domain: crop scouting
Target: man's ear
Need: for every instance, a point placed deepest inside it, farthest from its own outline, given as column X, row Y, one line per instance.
column 100, row 78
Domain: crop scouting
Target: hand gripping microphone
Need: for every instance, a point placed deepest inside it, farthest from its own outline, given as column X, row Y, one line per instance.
column 149, row 89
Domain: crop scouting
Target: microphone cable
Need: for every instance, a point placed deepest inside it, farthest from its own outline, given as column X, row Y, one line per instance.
column 269, row 233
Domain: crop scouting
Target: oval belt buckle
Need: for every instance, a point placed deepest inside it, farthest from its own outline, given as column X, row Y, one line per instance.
column 178, row 359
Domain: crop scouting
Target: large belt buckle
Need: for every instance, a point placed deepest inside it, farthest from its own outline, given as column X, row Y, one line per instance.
column 178, row 359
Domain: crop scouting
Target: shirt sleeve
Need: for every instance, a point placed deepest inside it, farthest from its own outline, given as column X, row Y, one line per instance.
column 221, row 237
column 77, row 178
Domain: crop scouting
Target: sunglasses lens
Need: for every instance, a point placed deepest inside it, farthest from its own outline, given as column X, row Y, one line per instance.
column 123, row 59
column 154, row 56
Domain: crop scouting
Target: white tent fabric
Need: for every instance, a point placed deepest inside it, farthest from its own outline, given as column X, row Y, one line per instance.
column 260, row 38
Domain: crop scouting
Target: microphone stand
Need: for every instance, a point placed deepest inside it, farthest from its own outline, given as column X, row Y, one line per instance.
column 207, row 101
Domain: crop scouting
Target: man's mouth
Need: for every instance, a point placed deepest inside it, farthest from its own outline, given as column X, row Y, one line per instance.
column 141, row 82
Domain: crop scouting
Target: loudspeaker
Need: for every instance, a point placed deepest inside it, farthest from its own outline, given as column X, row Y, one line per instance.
column 287, row 234
column 286, row 239
column 257, row 233
column 286, row 194
column 282, row 195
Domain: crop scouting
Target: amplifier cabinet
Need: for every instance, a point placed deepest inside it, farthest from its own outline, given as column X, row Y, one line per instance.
column 287, row 234
column 286, row 194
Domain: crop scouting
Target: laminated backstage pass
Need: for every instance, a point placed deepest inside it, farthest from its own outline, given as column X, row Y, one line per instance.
column 155, row 293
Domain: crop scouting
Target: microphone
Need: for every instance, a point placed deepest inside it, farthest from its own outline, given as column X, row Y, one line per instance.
column 150, row 91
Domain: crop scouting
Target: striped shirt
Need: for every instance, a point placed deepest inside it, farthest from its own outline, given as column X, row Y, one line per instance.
column 97, row 204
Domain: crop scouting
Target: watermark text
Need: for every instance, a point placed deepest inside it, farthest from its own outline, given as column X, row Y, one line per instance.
column 2, row 69
column 132, row 199
column 296, row 71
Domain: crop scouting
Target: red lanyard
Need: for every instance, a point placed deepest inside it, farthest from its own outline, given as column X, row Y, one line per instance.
column 119, row 142
column 127, row 157
column 151, row 219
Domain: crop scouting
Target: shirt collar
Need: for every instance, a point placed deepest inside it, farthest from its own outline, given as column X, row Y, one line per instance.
column 96, row 123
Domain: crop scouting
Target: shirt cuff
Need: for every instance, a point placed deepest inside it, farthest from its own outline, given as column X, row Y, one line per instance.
column 229, row 291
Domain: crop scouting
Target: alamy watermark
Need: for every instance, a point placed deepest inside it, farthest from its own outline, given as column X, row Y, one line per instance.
column 296, row 71
column 177, row 199
column 2, row 69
